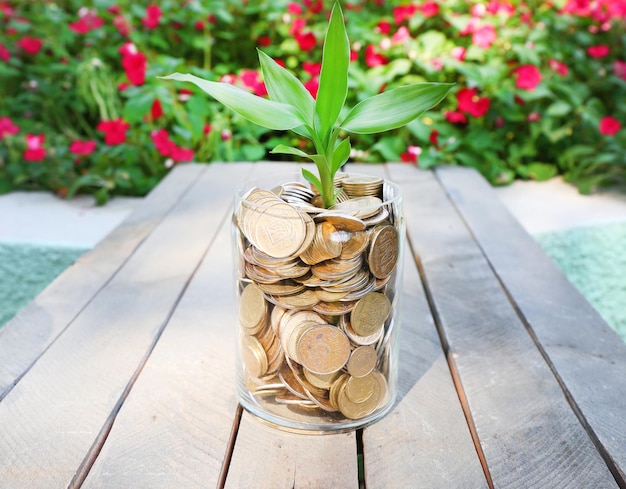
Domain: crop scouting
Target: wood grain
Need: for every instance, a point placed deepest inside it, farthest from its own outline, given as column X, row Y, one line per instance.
column 174, row 427
column 37, row 326
column 527, row 430
column 586, row 354
column 58, row 409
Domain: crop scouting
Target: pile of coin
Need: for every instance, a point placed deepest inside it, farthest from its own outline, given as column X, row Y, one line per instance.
column 316, row 291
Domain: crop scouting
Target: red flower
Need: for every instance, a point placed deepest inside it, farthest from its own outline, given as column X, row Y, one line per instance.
column 455, row 117
column 411, row 154
column 34, row 147
column 294, row 8
column 429, row 8
column 528, row 77
column 252, row 80
column 5, row 54
column 179, row 154
column 599, row 51
column 470, row 102
column 484, row 36
column 609, row 126
column 306, row 40
column 312, row 86
column 264, row 41
column 156, row 110
column 30, row 45
column 122, row 25
column 400, row 14
column 384, row 27
column 373, row 58
column 134, row 63
column 7, row 128
column 619, row 69
column 153, row 15
column 312, row 68
column 314, row 6
column 296, row 26
column 434, row 138
column 87, row 22
column 83, row 148
column 114, row 131
column 558, row 67
column 161, row 141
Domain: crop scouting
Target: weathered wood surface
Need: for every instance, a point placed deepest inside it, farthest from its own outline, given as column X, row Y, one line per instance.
column 585, row 354
column 132, row 385
column 36, row 326
column 525, row 424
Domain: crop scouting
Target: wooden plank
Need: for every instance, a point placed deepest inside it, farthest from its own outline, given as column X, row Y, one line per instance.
column 63, row 406
column 267, row 457
column 414, row 445
column 36, row 327
column 174, row 428
column 588, row 358
column 528, row 433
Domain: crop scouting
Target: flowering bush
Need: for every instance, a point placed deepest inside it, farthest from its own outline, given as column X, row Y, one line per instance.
column 540, row 86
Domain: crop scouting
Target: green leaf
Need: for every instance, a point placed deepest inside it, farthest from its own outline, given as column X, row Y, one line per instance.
column 289, row 150
column 312, row 178
column 266, row 113
column 538, row 171
column 341, row 155
column 394, row 108
column 333, row 83
column 283, row 87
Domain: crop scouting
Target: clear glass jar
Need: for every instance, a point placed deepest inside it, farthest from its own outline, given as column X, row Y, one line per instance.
column 318, row 292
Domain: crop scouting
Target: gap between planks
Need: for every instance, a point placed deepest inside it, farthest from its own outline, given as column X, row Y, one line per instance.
column 83, row 470
column 602, row 451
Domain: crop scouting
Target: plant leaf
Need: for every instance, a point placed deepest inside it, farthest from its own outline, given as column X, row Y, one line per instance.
column 289, row 150
column 312, row 178
column 394, row 108
column 341, row 155
column 266, row 113
column 283, row 87
column 333, row 83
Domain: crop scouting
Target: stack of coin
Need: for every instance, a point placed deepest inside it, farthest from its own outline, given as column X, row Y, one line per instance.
column 315, row 308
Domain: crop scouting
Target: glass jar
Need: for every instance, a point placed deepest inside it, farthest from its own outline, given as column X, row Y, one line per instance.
column 318, row 292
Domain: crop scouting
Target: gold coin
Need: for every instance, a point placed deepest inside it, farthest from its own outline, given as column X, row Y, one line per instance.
column 360, row 389
column 301, row 300
column 361, row 207
column 360, row 340
column 383, row 253
column 321, row 381
column 354, row 245
column 252, row 309
column 370, row 313
column 334, row 308
column 323, row 349
column 358, row 410
column 362, row 361
column 253, row 356
column 341, row 221
column 285, row 287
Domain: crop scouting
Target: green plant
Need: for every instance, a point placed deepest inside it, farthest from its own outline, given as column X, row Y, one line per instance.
column 291, row 106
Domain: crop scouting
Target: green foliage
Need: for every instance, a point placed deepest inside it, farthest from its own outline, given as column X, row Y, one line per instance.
column 508, row 120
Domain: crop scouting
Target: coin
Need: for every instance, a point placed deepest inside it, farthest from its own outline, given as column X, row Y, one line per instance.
column 323, row 349
column 252, row 309
column 360, row 389
column 253, row 356
column 362, row 361
column 358, row 410
column 383, row 253
column 361, row 207
column 321, row 381
column 370, row 313
column 341, row 221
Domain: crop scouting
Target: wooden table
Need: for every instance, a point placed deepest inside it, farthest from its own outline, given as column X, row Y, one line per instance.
column 120, row 374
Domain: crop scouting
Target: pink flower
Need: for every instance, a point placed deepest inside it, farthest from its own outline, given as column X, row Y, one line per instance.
column 458, row 52
column 455, row 117
column 484, row 36
column 34, row 147
column 5, row 54
column 30, row 45
column 609, row 126
column 294, row 8
column 528, row 77
column 252, row 80
column 87, row 22
column 558, row 67
column 429, row 8
column 402, row 34
column 470, row 102
column 312, row 68
column 121, row 24
column 373, row 58
column 7, row 128
column 153, row 15
column 619, row 69
column 313, row 86
column 533, row 117
column 599, row 51
column 306, row 40
column 83, row 148
column 114, row 131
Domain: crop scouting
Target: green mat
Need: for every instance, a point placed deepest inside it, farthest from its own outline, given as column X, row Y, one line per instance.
column 594, row 261
column 25, row 270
